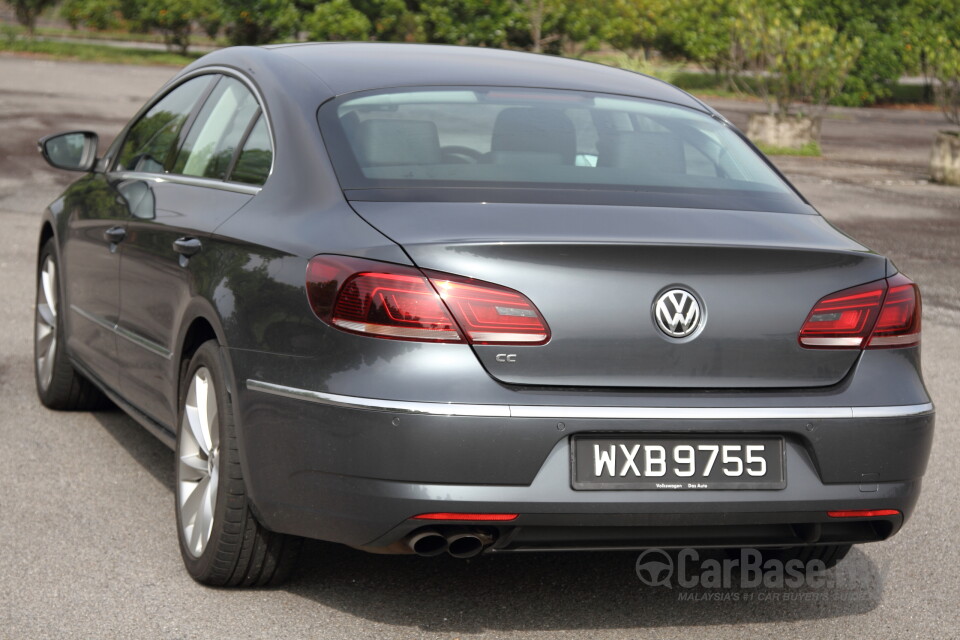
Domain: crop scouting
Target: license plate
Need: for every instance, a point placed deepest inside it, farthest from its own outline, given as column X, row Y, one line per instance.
column 677, row 463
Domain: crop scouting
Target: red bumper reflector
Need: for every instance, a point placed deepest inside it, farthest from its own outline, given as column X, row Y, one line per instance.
column 472, row 517
column 863, row 513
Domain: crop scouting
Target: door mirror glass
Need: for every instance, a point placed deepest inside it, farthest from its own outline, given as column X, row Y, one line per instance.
column 73, row 151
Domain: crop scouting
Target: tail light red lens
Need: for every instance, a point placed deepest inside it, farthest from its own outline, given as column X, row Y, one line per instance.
column 402, row 303
column 899, row 322
column 880, row 314
column 491, row 314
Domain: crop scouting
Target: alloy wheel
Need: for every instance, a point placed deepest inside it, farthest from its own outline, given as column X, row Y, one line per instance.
column 198, row 470
column 46, row 320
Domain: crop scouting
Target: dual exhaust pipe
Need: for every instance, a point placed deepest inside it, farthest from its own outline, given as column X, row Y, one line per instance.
column 459, row 542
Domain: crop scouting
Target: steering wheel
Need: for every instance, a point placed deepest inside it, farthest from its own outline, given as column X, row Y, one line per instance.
column 460, row 155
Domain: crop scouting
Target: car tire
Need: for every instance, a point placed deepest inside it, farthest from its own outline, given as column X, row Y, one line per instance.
column 221, row 541
column 59, row 385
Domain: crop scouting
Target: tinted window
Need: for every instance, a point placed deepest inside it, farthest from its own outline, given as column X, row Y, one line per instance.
column 218, row 129
column 151, row 140
column 515, row 139
column 253, row 165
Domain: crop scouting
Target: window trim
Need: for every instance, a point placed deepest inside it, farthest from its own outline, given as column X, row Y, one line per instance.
column 243, row 143
column 108, row 162
column 191, row 119
column 192, row 181
column 117, row 147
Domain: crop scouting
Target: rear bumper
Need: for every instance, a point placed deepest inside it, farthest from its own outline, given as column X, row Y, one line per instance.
column 355, row 470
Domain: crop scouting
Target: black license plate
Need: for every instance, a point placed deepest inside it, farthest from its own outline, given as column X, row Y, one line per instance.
column 677, row 463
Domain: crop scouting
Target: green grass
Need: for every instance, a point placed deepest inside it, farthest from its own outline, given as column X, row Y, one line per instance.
column 120, row 36
column 85, row 52
column 811, row 149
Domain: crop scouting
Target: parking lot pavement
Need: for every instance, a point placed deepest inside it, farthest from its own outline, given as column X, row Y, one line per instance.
column 86, row 500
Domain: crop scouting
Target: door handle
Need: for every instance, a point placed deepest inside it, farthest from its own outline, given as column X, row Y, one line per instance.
column 187, row 246
column 115, row 235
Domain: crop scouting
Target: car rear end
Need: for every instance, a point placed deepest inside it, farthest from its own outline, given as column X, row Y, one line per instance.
column 615, row 327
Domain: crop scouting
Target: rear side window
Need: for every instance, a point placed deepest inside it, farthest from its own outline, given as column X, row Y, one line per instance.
column 253, row 165
column 153, row 138
column 525, row 144
column 212, row 141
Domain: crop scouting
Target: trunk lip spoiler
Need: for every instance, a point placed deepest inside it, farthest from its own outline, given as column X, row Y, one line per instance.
column 586, row 412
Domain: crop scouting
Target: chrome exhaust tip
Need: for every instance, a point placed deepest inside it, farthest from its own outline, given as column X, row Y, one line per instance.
column 427, row 543
column 467, row 544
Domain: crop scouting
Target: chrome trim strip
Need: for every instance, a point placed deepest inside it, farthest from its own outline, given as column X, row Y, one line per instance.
column 144, row 343
column 135, row 338
column 234, row 187
column 891, row 411
column 395, row 406
column 597, row 413
column 109, row 326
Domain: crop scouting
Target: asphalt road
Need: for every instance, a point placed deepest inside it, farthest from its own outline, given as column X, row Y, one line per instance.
column 87, row 537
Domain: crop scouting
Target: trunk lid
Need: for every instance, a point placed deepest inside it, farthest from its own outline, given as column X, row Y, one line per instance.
column 595, row 274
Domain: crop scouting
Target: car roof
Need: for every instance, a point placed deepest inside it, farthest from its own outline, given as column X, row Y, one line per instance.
column 358, row 66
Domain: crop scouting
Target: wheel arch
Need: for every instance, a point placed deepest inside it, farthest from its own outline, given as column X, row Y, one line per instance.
column 46, row 233
column 201, row 323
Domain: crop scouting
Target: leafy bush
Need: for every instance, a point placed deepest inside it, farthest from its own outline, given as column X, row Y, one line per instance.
column 933, row 36
column 173, row 18
column 790, row 60
column 259, row 21
column 27, row 11
column 393, row 20
column 337, row 20
column 487, row 23
column 96, row 14
column 879, row 25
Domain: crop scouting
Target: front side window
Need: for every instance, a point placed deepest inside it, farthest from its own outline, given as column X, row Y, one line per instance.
column 212, row 141
column 527, row 141
column 153, row 138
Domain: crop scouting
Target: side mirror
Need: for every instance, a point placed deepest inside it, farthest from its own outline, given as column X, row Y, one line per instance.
column 73, row 151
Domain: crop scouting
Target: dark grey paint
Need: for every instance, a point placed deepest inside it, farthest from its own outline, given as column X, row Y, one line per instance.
column 599, row 269
column 356, row 476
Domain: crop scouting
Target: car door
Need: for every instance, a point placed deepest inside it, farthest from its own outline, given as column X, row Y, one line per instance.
column 99, row 208
column 164, row 253
column 96, row 216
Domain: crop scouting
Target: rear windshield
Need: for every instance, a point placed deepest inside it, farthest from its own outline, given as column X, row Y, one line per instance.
column 504, row 144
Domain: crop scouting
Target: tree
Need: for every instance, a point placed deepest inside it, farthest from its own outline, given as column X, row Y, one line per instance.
column 879, row 25
column 393, row 20
column 484, row 23
column 929, row 27
column 337, row 20
column 174, row 19
column 27, row 11
column 700, row 31
column 937, row 27
column 259, row 21
column 634, row 26
column 786, row 59
column 96, row 14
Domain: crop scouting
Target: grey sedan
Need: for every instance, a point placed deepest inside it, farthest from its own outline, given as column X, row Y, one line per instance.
column 424, row 299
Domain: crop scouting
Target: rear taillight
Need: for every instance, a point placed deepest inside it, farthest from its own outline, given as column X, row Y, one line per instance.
column 899, row 322
column 402, row 303
column 880, row 314
column 491, row 314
